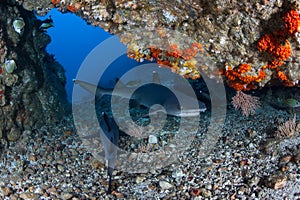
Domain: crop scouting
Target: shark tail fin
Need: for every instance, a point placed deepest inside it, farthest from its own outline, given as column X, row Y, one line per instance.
column 89, row 87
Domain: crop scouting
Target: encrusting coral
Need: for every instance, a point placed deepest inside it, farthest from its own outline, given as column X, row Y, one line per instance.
column 227, row 31
column 277, row 45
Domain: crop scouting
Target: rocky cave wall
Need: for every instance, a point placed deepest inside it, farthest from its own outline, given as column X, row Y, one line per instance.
column 32, row 83
column 250, row 44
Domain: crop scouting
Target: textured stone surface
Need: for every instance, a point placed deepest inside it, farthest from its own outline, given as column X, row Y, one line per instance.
column 31, row 85
column 228, row 32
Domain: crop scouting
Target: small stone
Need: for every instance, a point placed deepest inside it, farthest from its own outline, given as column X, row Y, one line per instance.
column 2, row 183
column 152, row 187
column 60, row 168
column 32, row 157
column 209, row 187
column 29, row 170
column 13, row 197
column 118, row 195
column 60, row 161
column 254, row 181
column 29, row 196
column 152, row 139
column 31, row 189
column 7, row 191
column 10, row 66
column 285, row 159
column 139, row 179
column 52, row 191
column 14, row 134
column 39, row 190
column 206, row 193
column 251, row 133
column 276, row 181
column 177, row 173
column 196, row 192
column 66, row 196
column 165, row 185
column 243, row 162
column 296, row 158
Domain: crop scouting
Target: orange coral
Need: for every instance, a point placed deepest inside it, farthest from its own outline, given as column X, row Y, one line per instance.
column 190, row 52
column 282, row 51
column 292, row 22
column 244, row 68
column 173, row 56
column 55, row 1
column 71, row 8
column 174, row 51
column 274, row 64
column 282, row 76
column 239, row 81
column 237, row 86
column 265, row 42
column 261, row 75
column 278, row 47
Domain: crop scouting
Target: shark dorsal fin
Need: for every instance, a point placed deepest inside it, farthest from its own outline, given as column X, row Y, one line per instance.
column 155, row 77
column 120, row 83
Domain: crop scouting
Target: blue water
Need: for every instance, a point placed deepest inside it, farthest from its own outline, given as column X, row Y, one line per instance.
column 71, row 41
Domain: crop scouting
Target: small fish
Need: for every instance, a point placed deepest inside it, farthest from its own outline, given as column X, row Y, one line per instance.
column 291, row 103
column 45, row 24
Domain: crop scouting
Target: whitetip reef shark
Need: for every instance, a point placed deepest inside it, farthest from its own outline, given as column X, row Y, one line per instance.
column 149, row 95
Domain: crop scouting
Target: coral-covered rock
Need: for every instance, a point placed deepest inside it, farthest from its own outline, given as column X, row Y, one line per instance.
column 262, row 34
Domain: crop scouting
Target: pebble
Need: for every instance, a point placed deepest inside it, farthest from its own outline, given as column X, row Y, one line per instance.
column 53, row 191
column 29, row 196
column 7, row 191
column 285, row 159
column 152, row 139
column 214, row 176
column 60, row 168
column 177, row 173
column 206, row 193
column 276, row 181
column 254, row 181
column 296, row 158
column 165, row 185
column 140, row 179
column 66, row 196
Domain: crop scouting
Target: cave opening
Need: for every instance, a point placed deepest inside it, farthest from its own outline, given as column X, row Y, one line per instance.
column 72, row 39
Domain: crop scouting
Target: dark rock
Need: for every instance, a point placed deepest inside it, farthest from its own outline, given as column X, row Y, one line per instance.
column 33, row 93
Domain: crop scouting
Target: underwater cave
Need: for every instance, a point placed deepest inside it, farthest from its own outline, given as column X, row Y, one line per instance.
column 203, row 99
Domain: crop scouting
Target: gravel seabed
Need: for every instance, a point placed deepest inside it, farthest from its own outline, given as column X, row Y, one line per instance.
column 246, row 163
